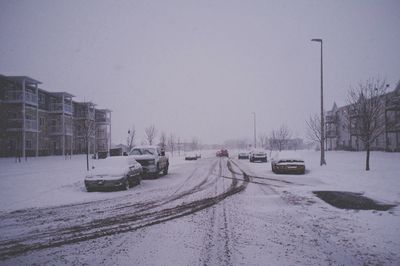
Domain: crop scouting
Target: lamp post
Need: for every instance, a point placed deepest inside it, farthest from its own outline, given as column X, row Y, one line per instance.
column 255, row 139
column 322, row 162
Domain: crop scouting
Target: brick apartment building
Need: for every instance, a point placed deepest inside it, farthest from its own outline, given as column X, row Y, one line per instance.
column 36, row 122
column 342, row 135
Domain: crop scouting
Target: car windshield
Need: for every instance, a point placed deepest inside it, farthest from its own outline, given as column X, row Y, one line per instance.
column 142, row 151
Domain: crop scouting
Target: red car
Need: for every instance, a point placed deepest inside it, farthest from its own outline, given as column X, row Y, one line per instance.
column 223, row 153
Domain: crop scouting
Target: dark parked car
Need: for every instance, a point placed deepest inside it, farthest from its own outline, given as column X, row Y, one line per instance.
column 288, row 166
column 114, row 173
column 191, row 157
column 243, row 155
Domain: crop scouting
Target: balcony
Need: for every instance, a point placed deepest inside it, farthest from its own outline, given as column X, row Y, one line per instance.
column 355, row 131
column 331, row 134
column 84, row 115
column 331, row 118
column 100, row 119
column 60, row 108
column 31, row 125
column 393, row 126
column 102, row 136
column 58, row 130
column 353, row 113
column 15, row 96
column 393, row 103
column 14, row 124
column 17, row 125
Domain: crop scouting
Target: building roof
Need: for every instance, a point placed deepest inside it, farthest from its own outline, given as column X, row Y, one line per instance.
column 104, row 110
column 397, row 89
column 85, row 103
column 21, row 78
column 334, row 107
column 62, row 93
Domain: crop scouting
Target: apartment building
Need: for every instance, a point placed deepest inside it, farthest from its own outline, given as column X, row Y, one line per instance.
column 36, row 122
column 342, row 134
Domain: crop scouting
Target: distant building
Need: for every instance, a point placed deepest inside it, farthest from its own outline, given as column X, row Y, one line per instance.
column 35, row 122
column 342, row 135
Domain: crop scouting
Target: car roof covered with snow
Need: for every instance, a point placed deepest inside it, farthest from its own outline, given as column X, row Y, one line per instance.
column 112, row 166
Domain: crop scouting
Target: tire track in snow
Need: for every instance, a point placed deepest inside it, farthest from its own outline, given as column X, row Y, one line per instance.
column 121, row 223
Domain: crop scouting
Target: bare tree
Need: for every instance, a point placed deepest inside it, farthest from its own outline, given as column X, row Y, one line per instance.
column 194, row 144
column 151, row 133
column 366, row 113
column 88, row 130
column 281, row 136
column 263, row 139
column 179, row 146
column 171, row 143
column 131, row 137
column 272, row 141
column 314, row 128
column 163, row 140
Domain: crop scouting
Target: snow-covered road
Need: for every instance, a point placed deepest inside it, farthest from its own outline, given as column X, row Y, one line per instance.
column 213, row 211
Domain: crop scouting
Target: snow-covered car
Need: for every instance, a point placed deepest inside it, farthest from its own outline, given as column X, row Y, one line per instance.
column 112, row 173
column 258, row 155
column 191, row 157
column 152, row 159
column 243, row 155
column 288, row 166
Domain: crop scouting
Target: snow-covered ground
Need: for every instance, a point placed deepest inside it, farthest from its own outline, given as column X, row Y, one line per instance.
column 51, row 181
column 203, row 212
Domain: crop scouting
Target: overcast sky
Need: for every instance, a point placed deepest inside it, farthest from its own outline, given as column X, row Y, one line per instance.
column 200, row 68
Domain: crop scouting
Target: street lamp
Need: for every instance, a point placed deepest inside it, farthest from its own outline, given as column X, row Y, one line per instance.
column 322, row 109
column 255, row 139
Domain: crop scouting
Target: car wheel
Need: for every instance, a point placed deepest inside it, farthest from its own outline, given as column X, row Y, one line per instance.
column 165, row 172
column 125, row 185
column 135, row 181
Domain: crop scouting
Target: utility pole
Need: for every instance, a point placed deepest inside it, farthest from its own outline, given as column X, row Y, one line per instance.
column 322, row 144
column 255, row 138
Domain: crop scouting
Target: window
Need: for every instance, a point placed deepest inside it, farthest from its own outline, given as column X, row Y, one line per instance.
column 12, row 115
column 28, row 144
column 42, row 98
column 42, row 121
